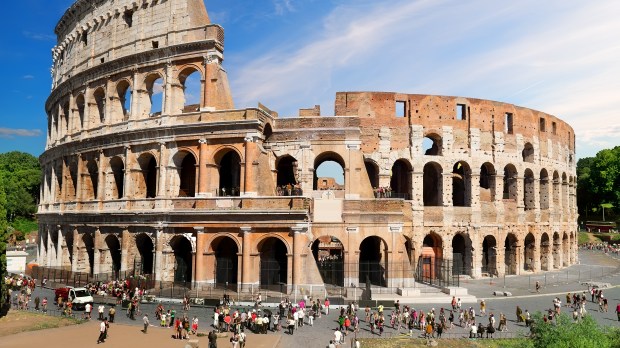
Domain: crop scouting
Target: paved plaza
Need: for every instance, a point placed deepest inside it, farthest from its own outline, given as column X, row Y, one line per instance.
column 594, row 266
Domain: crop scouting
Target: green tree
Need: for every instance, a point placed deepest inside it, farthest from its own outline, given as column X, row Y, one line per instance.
column 564, row 333
column 4, row 305
column 599, row 183
column 586, row 199
column 20, row 177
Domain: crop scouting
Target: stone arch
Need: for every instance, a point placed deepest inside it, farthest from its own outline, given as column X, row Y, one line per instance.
column 430, row 260
column 58, row 171
column 489, row 256
column 433, row 184
column 372, row 169
column 328, row 156
column 267, row 132
column 529, row 195
column 528, row 153
column 461, row 254
column 273, row 251
column 510, row 182
column 432, row 144
column 286, row 172
column 121, row 107
column 66, row 115
column 461, row 184
column 145, row 247
column 328, row 252
column 226, row 250
column 117, row 186
column 80, row 105
column 71, row 178
column 545, row 260
column 91, row 184
column 190, row 80
column 409, row 249
column 557, row 252
column 112, row 259
column 67, row 248
column 146, row 180
column 186, row 165
column 182, row 251
column 97, row 108
column 373, row 262
column 87, row 253
column 556, row 190
column 400, row 179
column 487, row 182
column 154, row 88
column 510, row 254
column 228, row 161
column 565, row 197
column 529, row 248
column 565, row 250
column 544, row 189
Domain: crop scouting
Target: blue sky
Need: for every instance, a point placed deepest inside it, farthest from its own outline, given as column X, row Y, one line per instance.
column 561, row 57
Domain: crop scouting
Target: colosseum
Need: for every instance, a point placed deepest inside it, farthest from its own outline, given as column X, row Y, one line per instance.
column 144, row 172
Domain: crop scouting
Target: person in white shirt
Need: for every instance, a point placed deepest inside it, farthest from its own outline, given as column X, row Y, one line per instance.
column 337, row 336
column 101, row 309
column 87, row 310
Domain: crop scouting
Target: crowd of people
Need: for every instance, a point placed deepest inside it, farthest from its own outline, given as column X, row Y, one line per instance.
column 289, row 190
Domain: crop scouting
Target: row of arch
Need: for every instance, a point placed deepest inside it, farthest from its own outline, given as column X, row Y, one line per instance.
column 126, row 99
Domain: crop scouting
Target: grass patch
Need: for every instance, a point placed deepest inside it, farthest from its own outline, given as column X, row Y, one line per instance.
column 25, row 225
column 452, row 343
column 586, row 237
column 21, row 321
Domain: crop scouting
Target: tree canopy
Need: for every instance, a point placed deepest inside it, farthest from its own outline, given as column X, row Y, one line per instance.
column 599, row 182
column 20, row 178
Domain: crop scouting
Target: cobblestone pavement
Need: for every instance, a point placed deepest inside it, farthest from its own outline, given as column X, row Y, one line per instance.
column 594, row 266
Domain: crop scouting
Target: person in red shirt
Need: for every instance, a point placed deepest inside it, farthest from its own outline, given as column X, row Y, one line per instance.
column 618, row 311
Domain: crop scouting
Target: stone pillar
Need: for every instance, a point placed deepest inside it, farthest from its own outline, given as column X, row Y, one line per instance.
column 499, row 197
column 97, row 251
column 447, row 189
column 76, row 236
column 249, row 188
column 101, row 178
column 50, row 248
column 54, row 181
column 203, row 175
column 201, row 238
column 136, row 94
column 474, row 189
column 86, row 122
column 246, row 270
column 298, row 244
column 127, row 184
column 161, row 180
column 168, row 98
column 536, row 262
column 78, row 189
column 59, row 249
column 159, row 248
column 126, row 240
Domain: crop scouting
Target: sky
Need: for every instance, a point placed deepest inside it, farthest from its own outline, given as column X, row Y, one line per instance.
column 561, row 57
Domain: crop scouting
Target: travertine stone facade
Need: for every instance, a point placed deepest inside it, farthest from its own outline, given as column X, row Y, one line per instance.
column 190, row 192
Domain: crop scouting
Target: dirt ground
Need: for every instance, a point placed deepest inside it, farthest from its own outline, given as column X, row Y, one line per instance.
column 408, row 343
column 85, row 335
column 16, row 322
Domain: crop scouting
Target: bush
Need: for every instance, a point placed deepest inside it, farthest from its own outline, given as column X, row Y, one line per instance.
column 564, row 333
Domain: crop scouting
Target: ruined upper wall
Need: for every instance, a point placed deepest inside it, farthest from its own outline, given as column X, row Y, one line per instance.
column 91, row 33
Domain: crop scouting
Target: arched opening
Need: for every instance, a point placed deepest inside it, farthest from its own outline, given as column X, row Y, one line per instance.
column 373, row 261
column 182, row 250
column 372, row 169
column 273, row 264
column 529, row 246
column 461, row 254
column 67, row 117
column 286, row 170
column 89, row 255
column 565, row 250
column 187, row 175
column 92, row 181
column 529, row 191
column 230, row 174
column 67, row 250
column 510, row 182
column 147, row 187
column 99, row 107
column 400, row 180
column 409, row 250
column 123, row 108
column 544, row 252
column 431, row 145
column 487, row 182
column 145, row 247
column 155, row 89
column 328, row 254
column 556, row 190
column 192, row 89
column 431, row 258
column 114, row 249
column 71, row 178
column 565, row 197
column 489, row 256
column 556, row 251
column 328, row 172
column 81, row 105
column 510, row 254
column 528, row 153
column 544, row 189
column 58, row 182
column 433, row 184
column 118, row 174
column 226, row 261
column 461, row 184
column 267, row 132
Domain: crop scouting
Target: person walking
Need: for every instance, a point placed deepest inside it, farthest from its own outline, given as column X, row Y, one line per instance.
column 618, row 311
column 537, row 287
column 112, row 313
column 102, row 331
column 145, row 319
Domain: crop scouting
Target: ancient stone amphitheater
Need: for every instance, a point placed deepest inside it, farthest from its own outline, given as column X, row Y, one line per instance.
column 141, row 174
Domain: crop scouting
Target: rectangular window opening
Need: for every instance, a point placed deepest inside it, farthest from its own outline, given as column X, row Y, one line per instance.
column 508, row 123
column 400, row 109
column 542, row 125
column 128, row 16
column 554, row 128
column 85, row 38
column 461, row 112
column 155, row 44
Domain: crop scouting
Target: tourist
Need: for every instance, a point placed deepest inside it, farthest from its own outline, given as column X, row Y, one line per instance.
column 44, row 304
column 101, row 308
column 87, row 310
column 112, row 313
column 212, row 339
column 102, row 331
column 242, row 339
column 145, row 319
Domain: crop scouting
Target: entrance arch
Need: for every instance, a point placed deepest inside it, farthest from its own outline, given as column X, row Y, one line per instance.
column 114, row 254
column 186, row 166
column 329, row 165
column 565, row 250
column 461, row 254
column 273, row 264
column 429, row 265
column 230, row 174
column 147, row 182
column 400, row 180
column 226, row 253
column 373, row 261
column 529, row 247
column 489, row 255
column 372, row 169
column 118, row 175
column 433, row 185
column 182, row 249
column 544, row 252
column 510, row 254
column 487, row 182
column 461, row 185
column 89, row 252
column 328, row 254
column 286, row 170
column 145, row 247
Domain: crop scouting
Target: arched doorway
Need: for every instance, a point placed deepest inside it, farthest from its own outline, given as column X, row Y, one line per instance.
column 510, row 254
column 489, row 256
column 544, row 189
column 544, row 252
column 565, row 250
column 67, row 250
column 328, row 172
column 487, row 182
column 118, row 174
column 145, row 247
column 273, row 264
column 529, row 200
column 286, row 170
column 373, row 173
column 230, row 174
column 89, row 252
column 187, row 176
column 400, row 181
column 510, row 182
column 431, row 145
column 528, row 153
column 182, row 250
column 114, row 250
column 433, row 185
column 328, row 254
column 429, row 265
column 190, row 80
column 92, row 180
column 461, row 185
column 529, row 246
column 373, row 261
column 226, row 262
column 556, row 251
column 147, row 183
column 461, row 254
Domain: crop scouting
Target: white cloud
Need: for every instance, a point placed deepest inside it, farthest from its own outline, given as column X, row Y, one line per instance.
column 9, row 133
column 283, row 6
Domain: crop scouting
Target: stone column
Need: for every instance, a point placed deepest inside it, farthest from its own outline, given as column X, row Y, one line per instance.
column 161, row 180
column 168, row 98
column 50, row 248
column 246, row 270
column 136, row 94
column 78, row 189
column 54, row 182
column 126, row 240
column 86, row 122
column 97, row 251
column 499, row 197
column 159, row 248
column 447, row 189
column 59, row 249
column 127, row 184
column 536, row 261
column 249, row 188
column 76, row 236
column 202, row 169
column 101, row 179
column 298, row 241
column 201, row 238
